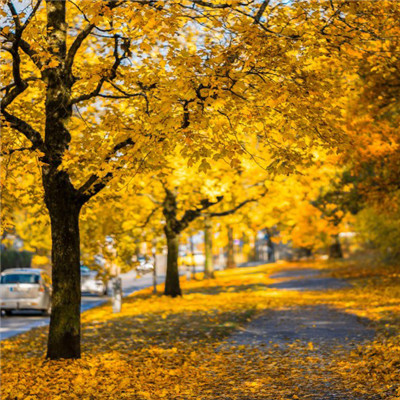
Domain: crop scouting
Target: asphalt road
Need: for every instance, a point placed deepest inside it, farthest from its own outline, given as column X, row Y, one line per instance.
column 24, row 321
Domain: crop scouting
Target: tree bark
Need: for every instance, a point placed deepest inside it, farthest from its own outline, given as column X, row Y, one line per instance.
column 231, row 251
column 208, row 259
column 65, row 323
column 271, row 247
column 172, row 231
column 61, row 198
column 172, row 285
column 335, row 249
column 154, row 271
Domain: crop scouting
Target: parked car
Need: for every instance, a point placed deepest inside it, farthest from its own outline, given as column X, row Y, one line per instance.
column 145, row 265
column 93, row 282
column 25, row 289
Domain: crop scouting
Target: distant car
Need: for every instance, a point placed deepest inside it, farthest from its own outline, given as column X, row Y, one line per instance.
column 25, row 289
column 92, row 282
column 144, row 265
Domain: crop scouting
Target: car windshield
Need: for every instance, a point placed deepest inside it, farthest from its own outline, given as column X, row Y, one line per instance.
column 20, row 278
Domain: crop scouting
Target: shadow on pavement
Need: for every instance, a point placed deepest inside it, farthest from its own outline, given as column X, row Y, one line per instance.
column 319, row 324
column 306, row 279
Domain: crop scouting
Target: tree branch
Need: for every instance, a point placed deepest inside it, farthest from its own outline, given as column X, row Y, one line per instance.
column 23, row 127
column 14, row 14
column 19, row 86
column 11, row 151
column 211, row 5
column 261, row 11
column 26, row 48
column 69, row 60
column 32, row 14
column 90, row 187
column 191, row 215
column 112, row 75
column 11, row 85
column 232, row 210
column 149, row 217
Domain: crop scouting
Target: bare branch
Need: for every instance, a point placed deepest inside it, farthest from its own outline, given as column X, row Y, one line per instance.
column 90, row 95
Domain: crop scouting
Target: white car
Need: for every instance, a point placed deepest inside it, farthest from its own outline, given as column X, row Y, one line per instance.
column 25, row 289
column 144, row 265
column 91, row 282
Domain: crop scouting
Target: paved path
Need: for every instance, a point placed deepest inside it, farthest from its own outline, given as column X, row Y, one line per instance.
column 320, row 324
column 324, row 333
column 24, row 321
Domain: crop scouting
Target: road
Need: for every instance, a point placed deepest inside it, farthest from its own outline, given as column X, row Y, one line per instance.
column 26, row 320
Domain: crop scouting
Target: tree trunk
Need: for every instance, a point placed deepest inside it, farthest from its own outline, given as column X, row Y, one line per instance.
column 154, row 271
column 335, row 249
column 65, row 322
column 172, row 285
column 231, row 251
column 208, row 260
column 256, row 248
column 61, row 197
column 271, row 247
column 172, row 230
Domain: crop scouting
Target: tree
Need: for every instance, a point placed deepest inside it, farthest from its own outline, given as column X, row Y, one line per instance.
column 221, row 189
column 88, row 66
column 336, row 200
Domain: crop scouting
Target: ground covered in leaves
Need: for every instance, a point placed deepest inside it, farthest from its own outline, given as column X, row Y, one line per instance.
column 214, row 342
